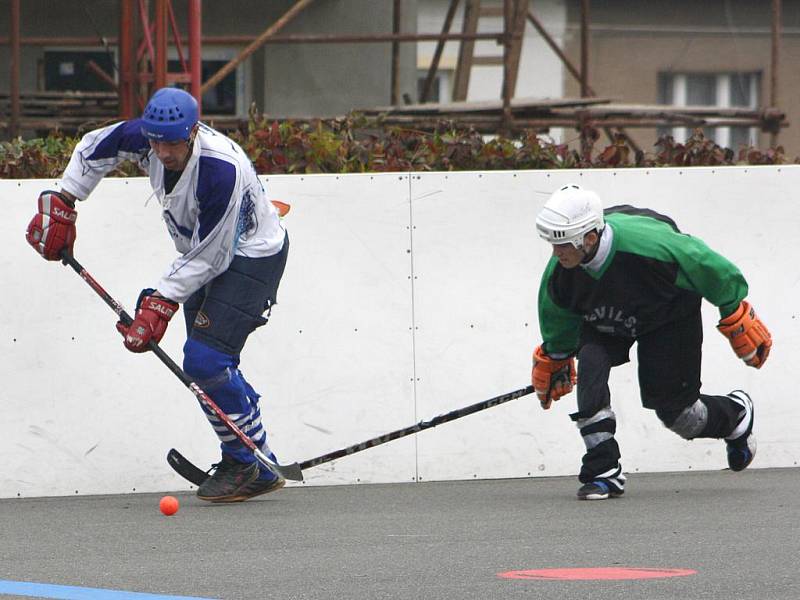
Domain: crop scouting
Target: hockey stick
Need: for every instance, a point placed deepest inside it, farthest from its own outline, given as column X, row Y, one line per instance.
column 291, row 471
column 192, row 473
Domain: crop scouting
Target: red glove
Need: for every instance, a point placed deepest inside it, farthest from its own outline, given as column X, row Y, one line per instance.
column 52, row 229
column 552, row 378
column 749, row 337
column 152, row 316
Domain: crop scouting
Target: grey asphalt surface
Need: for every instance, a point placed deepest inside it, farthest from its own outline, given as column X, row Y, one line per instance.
column 739, row 531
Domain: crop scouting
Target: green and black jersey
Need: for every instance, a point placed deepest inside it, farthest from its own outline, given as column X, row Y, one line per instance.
column 651, row 274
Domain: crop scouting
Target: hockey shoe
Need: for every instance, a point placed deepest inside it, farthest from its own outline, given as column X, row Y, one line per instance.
column 228, row 478
column 599, row 490
column 266, row 483
column 741, row 442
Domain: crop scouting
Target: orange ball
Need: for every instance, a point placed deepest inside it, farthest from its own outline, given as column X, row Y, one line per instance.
column 169, row 505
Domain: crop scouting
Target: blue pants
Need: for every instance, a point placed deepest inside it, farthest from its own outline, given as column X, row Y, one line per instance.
column 219, row 319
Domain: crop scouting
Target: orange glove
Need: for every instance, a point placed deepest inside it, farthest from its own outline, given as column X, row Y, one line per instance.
column 749, row 337
column 552, row 378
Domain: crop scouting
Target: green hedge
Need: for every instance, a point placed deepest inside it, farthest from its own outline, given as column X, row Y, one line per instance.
column 356, row 144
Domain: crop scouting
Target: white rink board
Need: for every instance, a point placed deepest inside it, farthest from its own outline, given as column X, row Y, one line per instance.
column 402, row 299
column 479, row 262
column 334, row 365
column 337, row 355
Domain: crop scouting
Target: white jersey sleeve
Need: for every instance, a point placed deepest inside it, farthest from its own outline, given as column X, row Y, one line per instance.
column 99, row 152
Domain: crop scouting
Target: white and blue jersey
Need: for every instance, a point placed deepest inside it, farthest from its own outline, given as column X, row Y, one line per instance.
column 218, row 208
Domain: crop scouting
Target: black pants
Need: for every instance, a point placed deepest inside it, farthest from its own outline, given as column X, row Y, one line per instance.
column 226, row 311
column 669, row 382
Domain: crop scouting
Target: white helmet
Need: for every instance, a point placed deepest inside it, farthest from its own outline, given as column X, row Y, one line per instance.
column 569, row 214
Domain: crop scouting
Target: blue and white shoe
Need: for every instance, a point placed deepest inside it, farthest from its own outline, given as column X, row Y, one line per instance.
column 611, row 485
column 598, row 490
column 741, row 443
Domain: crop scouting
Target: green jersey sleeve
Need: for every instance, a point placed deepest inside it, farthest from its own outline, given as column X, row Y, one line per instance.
column 709, row 274
column 560, row 328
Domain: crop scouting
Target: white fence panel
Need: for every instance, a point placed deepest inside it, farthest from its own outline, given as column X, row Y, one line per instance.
column 336, row 360
column 479, row 262
column 403, row 299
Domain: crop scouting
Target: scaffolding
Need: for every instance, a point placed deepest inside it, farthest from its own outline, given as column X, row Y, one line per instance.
column 148, row 27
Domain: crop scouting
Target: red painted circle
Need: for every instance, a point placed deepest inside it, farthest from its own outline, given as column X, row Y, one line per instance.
column 590, row 573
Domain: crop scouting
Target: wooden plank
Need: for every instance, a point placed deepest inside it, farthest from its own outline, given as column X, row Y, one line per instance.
column 487, row 61
column 493, row 123
column 466, row 50
column 487, row 106
column 658, row 109
column 64, row 107
column 491, row 11
column 519, row 10
column 63, row 94
column 437, row 55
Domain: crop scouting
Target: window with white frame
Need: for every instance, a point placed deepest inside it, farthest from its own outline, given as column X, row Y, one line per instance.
column 721, row 90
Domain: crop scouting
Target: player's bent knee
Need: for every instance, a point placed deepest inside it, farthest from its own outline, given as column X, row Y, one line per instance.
column 217, row 374
column 203, row 363
column 688, row 423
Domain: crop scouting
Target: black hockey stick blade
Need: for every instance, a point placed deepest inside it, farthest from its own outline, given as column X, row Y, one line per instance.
column 186, row 469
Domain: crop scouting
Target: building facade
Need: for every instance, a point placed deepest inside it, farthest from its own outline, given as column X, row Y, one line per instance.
column 60, row 38
column 684, row 52
column 712, row 53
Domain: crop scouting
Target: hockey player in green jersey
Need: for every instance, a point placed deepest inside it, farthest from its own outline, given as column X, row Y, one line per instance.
column 628, row 275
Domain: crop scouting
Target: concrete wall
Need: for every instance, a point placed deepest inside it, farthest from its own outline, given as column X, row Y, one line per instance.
column 333, row 79
column 405, row 296
column 286, row 79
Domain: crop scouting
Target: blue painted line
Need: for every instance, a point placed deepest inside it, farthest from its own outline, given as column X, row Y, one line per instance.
column 68, row 592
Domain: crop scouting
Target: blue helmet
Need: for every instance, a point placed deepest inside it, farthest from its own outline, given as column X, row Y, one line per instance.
column 169, row 116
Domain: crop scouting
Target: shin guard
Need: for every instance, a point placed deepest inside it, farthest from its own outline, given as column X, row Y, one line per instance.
column 218, row 375
column 601, row 460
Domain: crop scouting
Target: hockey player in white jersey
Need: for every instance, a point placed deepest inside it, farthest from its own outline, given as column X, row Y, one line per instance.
column 233, row 250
